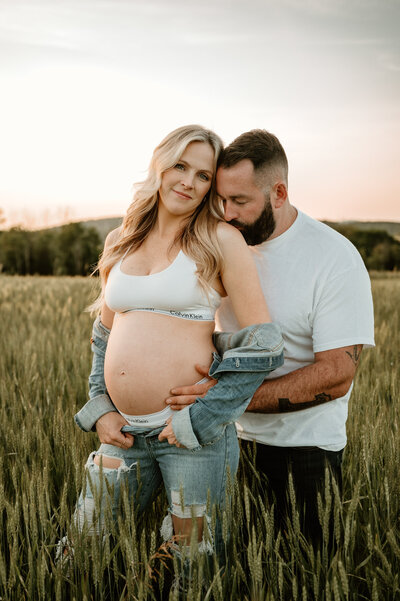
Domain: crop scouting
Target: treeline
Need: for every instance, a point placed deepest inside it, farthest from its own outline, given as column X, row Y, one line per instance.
column 74, row 249
column 378, row 249
column 71, row 249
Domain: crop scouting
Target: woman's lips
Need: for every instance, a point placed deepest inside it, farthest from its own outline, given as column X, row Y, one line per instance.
column 182, row 195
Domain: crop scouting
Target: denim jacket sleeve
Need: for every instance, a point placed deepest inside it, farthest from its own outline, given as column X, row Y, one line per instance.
column 99, row 402
column 243, row 361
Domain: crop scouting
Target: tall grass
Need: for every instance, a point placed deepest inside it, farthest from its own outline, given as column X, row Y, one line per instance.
column 44, row 363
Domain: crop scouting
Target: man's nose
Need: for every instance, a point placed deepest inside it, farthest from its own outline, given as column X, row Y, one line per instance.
column 229, row 211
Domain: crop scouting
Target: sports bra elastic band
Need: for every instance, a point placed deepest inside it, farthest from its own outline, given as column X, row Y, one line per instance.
column 200, row 316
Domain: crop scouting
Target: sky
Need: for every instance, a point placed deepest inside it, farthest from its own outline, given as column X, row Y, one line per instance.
column 88, row 88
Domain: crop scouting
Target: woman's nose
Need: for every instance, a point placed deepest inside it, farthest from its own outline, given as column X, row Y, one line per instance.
column 187, row 180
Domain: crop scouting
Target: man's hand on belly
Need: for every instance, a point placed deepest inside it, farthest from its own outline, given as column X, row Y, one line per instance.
column 186, row 395
column 108, row 428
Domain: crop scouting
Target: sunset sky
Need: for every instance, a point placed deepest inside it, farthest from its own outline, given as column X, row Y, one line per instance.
column 89, row 87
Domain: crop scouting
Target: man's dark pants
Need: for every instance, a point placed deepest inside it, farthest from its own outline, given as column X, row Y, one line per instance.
column 307, row 466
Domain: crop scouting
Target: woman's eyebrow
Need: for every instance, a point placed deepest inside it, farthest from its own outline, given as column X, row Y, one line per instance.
column 189, row 165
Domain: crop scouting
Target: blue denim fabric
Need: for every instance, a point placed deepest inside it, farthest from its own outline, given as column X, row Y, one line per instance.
column 246, row 358
column 243, row 361
column 99, row 402
column 193, row 482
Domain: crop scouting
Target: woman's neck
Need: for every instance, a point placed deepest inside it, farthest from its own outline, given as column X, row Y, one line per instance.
column 167, row 226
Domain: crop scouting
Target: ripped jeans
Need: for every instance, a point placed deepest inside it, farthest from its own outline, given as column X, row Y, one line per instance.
column 194, row 480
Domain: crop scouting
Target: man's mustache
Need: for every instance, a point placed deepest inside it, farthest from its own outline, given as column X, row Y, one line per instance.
column 237, row 224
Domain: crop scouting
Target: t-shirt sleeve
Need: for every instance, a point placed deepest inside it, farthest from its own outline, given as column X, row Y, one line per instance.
column 343, row 313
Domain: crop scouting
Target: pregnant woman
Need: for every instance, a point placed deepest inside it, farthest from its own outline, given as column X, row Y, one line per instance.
column 164, row 272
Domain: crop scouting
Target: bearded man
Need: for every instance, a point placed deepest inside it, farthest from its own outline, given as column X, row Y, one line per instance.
column 318, row 291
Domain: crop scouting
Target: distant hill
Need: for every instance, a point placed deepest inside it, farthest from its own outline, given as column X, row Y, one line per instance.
column 391, row 227
column 103, row 226
column 74, row 248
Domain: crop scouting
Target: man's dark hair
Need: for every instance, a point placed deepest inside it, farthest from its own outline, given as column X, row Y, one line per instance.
column 261, row 147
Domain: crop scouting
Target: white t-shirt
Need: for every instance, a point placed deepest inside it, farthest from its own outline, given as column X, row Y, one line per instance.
column 318, row 290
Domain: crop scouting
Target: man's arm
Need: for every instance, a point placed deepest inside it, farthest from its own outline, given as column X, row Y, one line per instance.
column 328, row 378
column 248, row 356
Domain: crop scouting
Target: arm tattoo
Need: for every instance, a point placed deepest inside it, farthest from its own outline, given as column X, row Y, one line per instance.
column 355, row 355
column 285, row 406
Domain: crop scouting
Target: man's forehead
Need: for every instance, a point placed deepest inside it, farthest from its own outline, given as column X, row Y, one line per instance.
column 243, row 168
column 236, row 181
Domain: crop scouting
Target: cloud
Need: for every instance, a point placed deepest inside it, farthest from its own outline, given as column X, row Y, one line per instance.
column 390, row 61
column 29, row 36
column 209, row 39
column 36, row 25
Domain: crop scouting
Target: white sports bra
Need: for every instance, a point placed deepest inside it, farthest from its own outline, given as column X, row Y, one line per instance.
column 174, row 291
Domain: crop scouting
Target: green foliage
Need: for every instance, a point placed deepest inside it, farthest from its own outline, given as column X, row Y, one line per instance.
column 82, row 246
column 44, row 362
column 72, row 249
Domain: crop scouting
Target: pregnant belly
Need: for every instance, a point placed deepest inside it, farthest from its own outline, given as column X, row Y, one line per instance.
column 148, row 354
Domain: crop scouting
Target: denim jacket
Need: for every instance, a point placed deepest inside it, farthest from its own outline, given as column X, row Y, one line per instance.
column 242, row 362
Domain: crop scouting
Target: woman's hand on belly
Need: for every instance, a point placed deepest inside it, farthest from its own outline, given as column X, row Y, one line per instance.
column 169, row 434
column 108, row 429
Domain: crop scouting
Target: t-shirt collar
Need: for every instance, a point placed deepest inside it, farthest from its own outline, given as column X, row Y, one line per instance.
column 286, row 235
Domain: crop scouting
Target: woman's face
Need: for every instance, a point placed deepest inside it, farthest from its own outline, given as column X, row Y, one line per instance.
column 184, row 186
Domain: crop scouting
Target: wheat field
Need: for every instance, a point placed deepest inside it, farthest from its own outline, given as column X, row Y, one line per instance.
column 44, row 363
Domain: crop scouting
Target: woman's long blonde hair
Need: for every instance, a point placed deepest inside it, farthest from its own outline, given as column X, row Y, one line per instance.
column 197, row 237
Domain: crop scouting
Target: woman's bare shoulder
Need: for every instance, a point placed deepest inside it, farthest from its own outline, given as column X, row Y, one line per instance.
column 112, row 237
column 229, row 235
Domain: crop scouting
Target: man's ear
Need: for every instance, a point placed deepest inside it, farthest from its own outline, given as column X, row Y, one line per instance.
column 280, row 194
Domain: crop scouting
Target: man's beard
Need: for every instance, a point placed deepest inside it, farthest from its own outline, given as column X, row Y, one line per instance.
column 261, row 229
